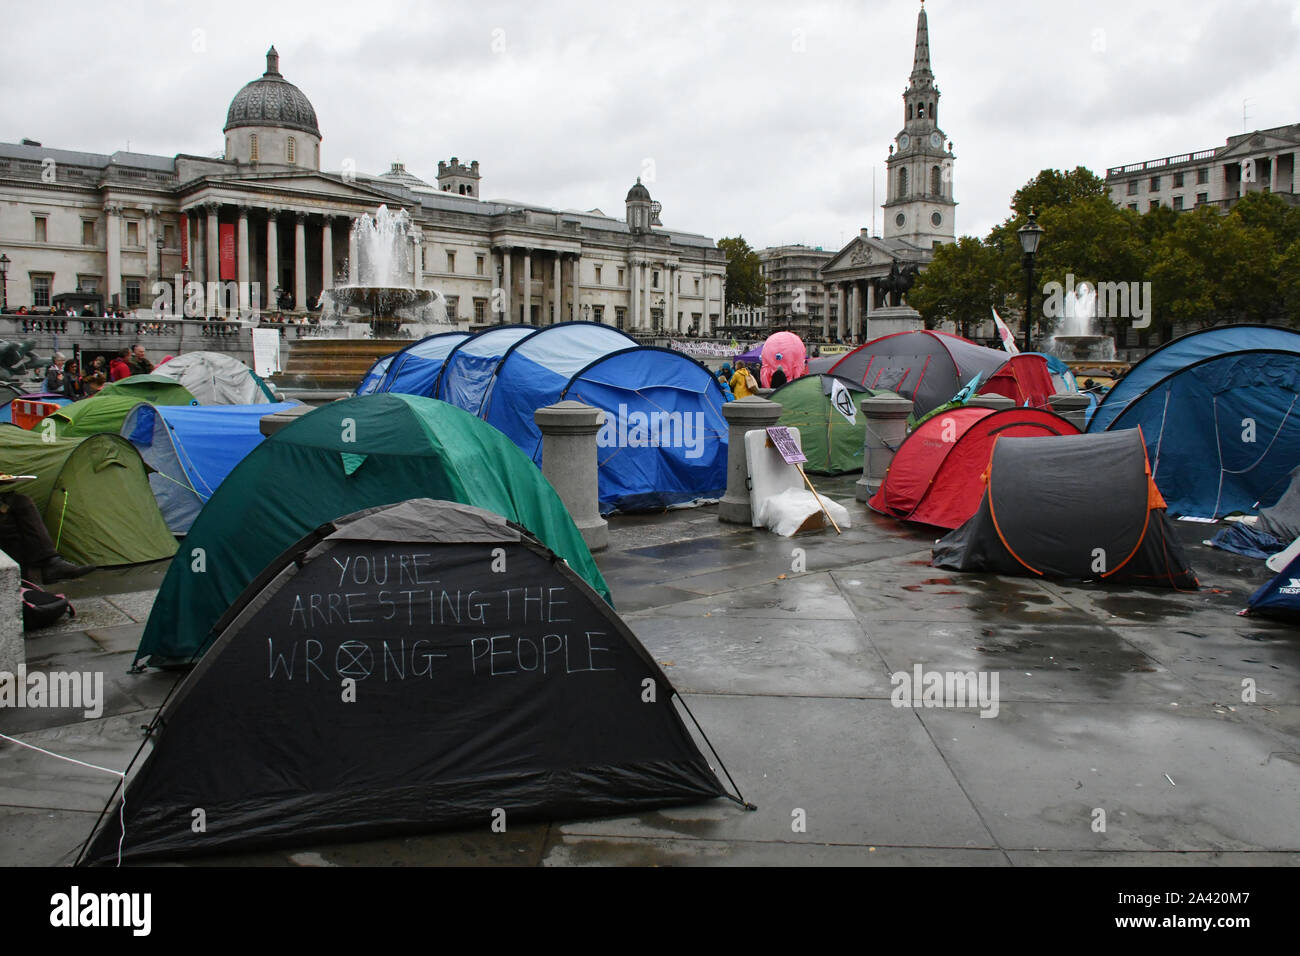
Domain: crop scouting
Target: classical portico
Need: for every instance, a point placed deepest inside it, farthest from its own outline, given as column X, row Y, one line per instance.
column 852, row 280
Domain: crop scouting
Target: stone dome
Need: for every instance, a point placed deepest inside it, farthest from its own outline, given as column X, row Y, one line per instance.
column 638, row 193
column 271, row 100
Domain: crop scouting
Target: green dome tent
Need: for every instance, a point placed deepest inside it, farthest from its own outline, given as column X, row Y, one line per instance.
column 831, row 442
column 94, row 495
column 343, row 457
column 106, row 411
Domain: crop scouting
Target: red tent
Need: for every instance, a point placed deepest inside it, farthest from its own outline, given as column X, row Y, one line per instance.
column 935, row 475
column 1024, row 378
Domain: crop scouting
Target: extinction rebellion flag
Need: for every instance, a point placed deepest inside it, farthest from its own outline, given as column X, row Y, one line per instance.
column 842, row 399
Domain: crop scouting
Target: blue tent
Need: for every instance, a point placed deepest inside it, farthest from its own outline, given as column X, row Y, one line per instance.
column 191, row 448
column 1280, row 597
column 414, row 370
column 469, row 368
column 1220, row 412
column 370, row 382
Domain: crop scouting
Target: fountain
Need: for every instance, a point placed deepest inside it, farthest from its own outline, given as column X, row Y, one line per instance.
column 383, row 293
column 1077, row 339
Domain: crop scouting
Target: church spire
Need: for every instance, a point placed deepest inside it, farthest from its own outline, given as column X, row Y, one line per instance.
column 921, row 62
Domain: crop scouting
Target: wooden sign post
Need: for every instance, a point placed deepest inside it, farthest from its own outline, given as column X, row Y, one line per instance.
column 779, row 436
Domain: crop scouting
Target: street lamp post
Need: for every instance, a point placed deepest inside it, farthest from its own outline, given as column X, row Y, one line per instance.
column 1030, row 234
column 4, row 282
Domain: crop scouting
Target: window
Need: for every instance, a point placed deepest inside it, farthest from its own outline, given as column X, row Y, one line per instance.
column 132, row 293
column 469, row 190
column 453, row 307
column 1155, row 204
column 1155, row 184
column 480, row 311
column 620, row 281
column 1133, row 187
column 87, row 232
column 451, row 261
column 41, row 291
column 133, row 234
column 252, row 147
column 41, row 223
column 1202, row 198
column 936, row 181
column 169, row 237
column 291, row 150
column 1202, row 177
column 598, row 313
column 1178, row 180
column 697, row 285
column 597, row 275
column 478, row 265
column 1178, row 202
column 88, row 283
column 655, row 279
column 1133, row 206
column 902, row 183
column 620, row 317
column 318, row 155
column 657, row 319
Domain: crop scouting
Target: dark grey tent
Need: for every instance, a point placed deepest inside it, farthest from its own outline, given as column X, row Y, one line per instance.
column 486, row 676
column 1074, row 506
column 1282, row 520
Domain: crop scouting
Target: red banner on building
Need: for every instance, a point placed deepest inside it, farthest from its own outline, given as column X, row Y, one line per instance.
column 226, row 244
column 185, row 241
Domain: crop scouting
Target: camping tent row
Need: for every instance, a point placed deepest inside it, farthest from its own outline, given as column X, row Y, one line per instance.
column 501, row 682
column 664, row 440
column 93, row 494
column 343, row 457
column 106, row 411
column 1220, row 411
column 190, row 449
column 931, row 367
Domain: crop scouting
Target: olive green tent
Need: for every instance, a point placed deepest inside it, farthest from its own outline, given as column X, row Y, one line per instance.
column 831, row 442
column 343, row 457
column 94, row 495
column 107, row 410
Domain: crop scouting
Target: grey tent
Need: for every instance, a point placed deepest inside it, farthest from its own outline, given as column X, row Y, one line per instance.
column 486, row 677
column 215, row 378
column 1282, row 520
column 1074, row 506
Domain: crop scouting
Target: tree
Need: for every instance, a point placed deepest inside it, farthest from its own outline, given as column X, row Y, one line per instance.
column 744, row 273
column 964, row 280
column 1052, row 188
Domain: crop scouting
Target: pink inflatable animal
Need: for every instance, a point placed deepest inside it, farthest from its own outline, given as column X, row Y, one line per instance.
column 783, row 351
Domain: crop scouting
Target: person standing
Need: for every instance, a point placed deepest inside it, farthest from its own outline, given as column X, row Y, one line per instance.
column 139, row 362
column 118, row 368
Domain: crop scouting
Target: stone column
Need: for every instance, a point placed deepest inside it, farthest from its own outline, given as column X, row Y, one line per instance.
column 577, row 286
column 557, row 293
column 855, row 309
column 866, row 323
column 198, row 261
column 213, row 306
column 327, row 254
column 634, row 302
column 506, row 305
column 300, row 261
column 647, row 316
column 528, row 287
column 671, row 299
column 241, row 258
column 272, row 257
column 842, row 315
column 152, row 260
column 354, row 266
column 742, row 415
column 704, row 306
column 569, row 463
column 826, row 312
column 113, row 257
column 1072, row 406
column 886, row 420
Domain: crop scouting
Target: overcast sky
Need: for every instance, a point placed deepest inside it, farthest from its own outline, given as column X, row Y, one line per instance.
column 766, row 119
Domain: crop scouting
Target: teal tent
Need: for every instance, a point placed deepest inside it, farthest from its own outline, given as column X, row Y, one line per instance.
column 343, row 457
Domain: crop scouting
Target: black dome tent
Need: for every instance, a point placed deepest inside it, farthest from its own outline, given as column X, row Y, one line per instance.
column 412, row 667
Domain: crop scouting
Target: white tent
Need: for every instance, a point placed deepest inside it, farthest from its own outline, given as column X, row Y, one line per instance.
column 215, row 378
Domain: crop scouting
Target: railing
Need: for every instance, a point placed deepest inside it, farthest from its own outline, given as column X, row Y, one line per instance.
column 1161, row 163
column 134, row 328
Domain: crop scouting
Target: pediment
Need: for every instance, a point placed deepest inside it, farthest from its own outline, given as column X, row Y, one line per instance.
column 1258, row 143
column 304, row 186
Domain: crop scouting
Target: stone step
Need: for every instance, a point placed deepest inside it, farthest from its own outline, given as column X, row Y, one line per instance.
column 332, row 363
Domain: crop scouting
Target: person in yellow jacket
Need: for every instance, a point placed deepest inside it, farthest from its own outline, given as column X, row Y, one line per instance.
column 743, row 382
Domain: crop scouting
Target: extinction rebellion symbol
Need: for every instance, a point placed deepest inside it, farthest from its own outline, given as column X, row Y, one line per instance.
column 354, row 659
column 842, row 399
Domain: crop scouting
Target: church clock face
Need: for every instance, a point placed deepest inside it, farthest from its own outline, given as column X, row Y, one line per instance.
column 904, row 141
column 936, row 219
column 900, row 219
column 936, row 140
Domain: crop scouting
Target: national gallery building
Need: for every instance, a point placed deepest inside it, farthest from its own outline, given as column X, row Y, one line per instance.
column 267, row 217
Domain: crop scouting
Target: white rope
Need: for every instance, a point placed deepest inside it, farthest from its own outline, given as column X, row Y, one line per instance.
column 81, row 763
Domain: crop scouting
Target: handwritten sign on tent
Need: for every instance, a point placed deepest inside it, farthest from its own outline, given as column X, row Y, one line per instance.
column 786, row 445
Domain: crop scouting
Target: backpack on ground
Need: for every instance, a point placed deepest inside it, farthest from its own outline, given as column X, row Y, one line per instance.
column 42, row 608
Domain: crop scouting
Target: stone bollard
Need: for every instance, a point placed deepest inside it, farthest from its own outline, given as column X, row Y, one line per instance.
column 886, row 417
column 742, row 415
column 569, row 463
column 270, row 424
column 12, row 651
column 764, row 392
column 995, row 402
column 1073, row 407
